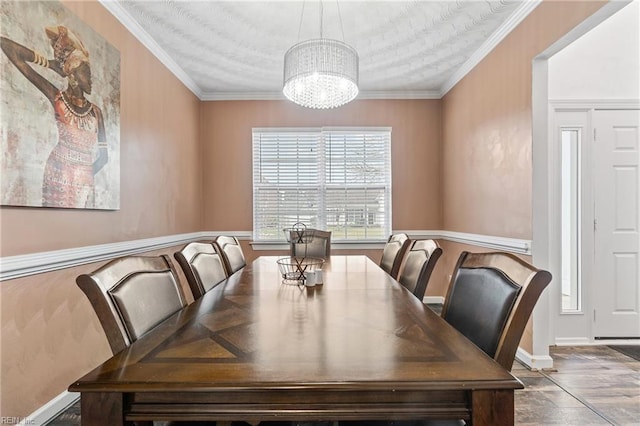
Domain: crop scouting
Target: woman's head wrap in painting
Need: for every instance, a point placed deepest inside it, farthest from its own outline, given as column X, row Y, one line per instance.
column 68, row 49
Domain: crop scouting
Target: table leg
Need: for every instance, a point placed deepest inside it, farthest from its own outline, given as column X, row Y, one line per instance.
column 492, row 407
column 102, row 408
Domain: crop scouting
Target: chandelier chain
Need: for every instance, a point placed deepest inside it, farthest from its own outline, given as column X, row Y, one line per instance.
column 321, row 13
column 340, row 18
column 301, row 16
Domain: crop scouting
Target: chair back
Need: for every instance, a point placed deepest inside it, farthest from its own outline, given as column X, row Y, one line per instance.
column 490, row 299
column 319, row 246
column 131, row 295
column 393, row 253
column 420, row 260
column 202, row 265
column 232, row 254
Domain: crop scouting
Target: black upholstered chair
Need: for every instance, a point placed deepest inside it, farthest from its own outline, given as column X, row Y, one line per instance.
column 232, row 254
column 420, row 259
column 131, row 295
column 319, row 246
column 393, row 253
column 490, row 299
column 203, row 266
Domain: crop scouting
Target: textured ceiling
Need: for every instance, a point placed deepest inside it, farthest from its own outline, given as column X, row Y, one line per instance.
column 235, row 49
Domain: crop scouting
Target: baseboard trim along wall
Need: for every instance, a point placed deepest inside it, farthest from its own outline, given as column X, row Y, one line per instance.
column 50, row 410
column 534, row 362
column 433, row 300
column 585, row 341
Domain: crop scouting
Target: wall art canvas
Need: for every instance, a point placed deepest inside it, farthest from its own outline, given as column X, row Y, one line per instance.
column 59, row 110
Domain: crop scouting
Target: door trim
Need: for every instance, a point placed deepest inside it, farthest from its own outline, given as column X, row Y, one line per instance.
column 580, row 323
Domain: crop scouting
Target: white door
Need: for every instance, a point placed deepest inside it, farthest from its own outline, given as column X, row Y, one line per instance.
column 616, row 270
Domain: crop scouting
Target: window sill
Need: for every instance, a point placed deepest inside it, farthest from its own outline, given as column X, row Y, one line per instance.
column 342, row 245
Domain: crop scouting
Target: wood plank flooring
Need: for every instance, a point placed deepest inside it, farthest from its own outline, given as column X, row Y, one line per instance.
column 590, row 385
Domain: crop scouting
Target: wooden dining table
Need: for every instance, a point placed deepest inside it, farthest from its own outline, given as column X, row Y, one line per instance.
column 358, row 347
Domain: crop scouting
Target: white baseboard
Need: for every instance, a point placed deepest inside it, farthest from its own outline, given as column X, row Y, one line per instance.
column 434, row 300
column 572, row 341
column 583, row 341
column 50, row 410
column 534, row 362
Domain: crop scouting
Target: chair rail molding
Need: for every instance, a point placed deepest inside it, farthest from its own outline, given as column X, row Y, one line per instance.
column 37, row 263
column 512, row 245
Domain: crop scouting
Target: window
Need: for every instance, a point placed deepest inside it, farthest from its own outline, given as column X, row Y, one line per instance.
column 330, row 178
column 571, row 176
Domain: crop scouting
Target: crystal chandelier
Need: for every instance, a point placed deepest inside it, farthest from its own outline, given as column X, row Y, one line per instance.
column 321, row 73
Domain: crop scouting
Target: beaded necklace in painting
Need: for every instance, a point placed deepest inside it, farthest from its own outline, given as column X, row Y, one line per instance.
column 72, row 108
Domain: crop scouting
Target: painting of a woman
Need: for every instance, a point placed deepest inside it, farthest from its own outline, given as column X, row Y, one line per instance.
column 81, row 150
column 59, row 110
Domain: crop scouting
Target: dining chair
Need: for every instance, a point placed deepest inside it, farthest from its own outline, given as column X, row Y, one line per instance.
column 131, row 295
column 420, row 259
column 319, row 246
column 232, row 254
column 202, row 265
column 490, row 299
column 393, row 253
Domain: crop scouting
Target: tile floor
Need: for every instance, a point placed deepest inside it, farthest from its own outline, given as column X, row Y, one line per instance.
column 590, row 385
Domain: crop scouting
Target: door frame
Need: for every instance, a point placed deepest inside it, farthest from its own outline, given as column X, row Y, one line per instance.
column 576, row 328
column 543, row 191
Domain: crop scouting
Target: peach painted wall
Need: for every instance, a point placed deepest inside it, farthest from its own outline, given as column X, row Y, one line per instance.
column 159, row 150
column 461, row 164
column 49, row 332
column 487, row 166
column 51, row 336
column 487, row 133
column 415, row 152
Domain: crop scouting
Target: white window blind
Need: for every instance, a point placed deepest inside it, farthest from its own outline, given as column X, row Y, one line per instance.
column 333, row 179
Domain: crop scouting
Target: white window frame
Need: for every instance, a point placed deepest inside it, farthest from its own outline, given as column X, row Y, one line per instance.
column 383, row 137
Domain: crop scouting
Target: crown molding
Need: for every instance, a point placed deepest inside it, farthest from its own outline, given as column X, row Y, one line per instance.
column 584, row 27
column 143, row 37
column 242, row 96
column 513, row 21
column 272, row 96
column 400, row 94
